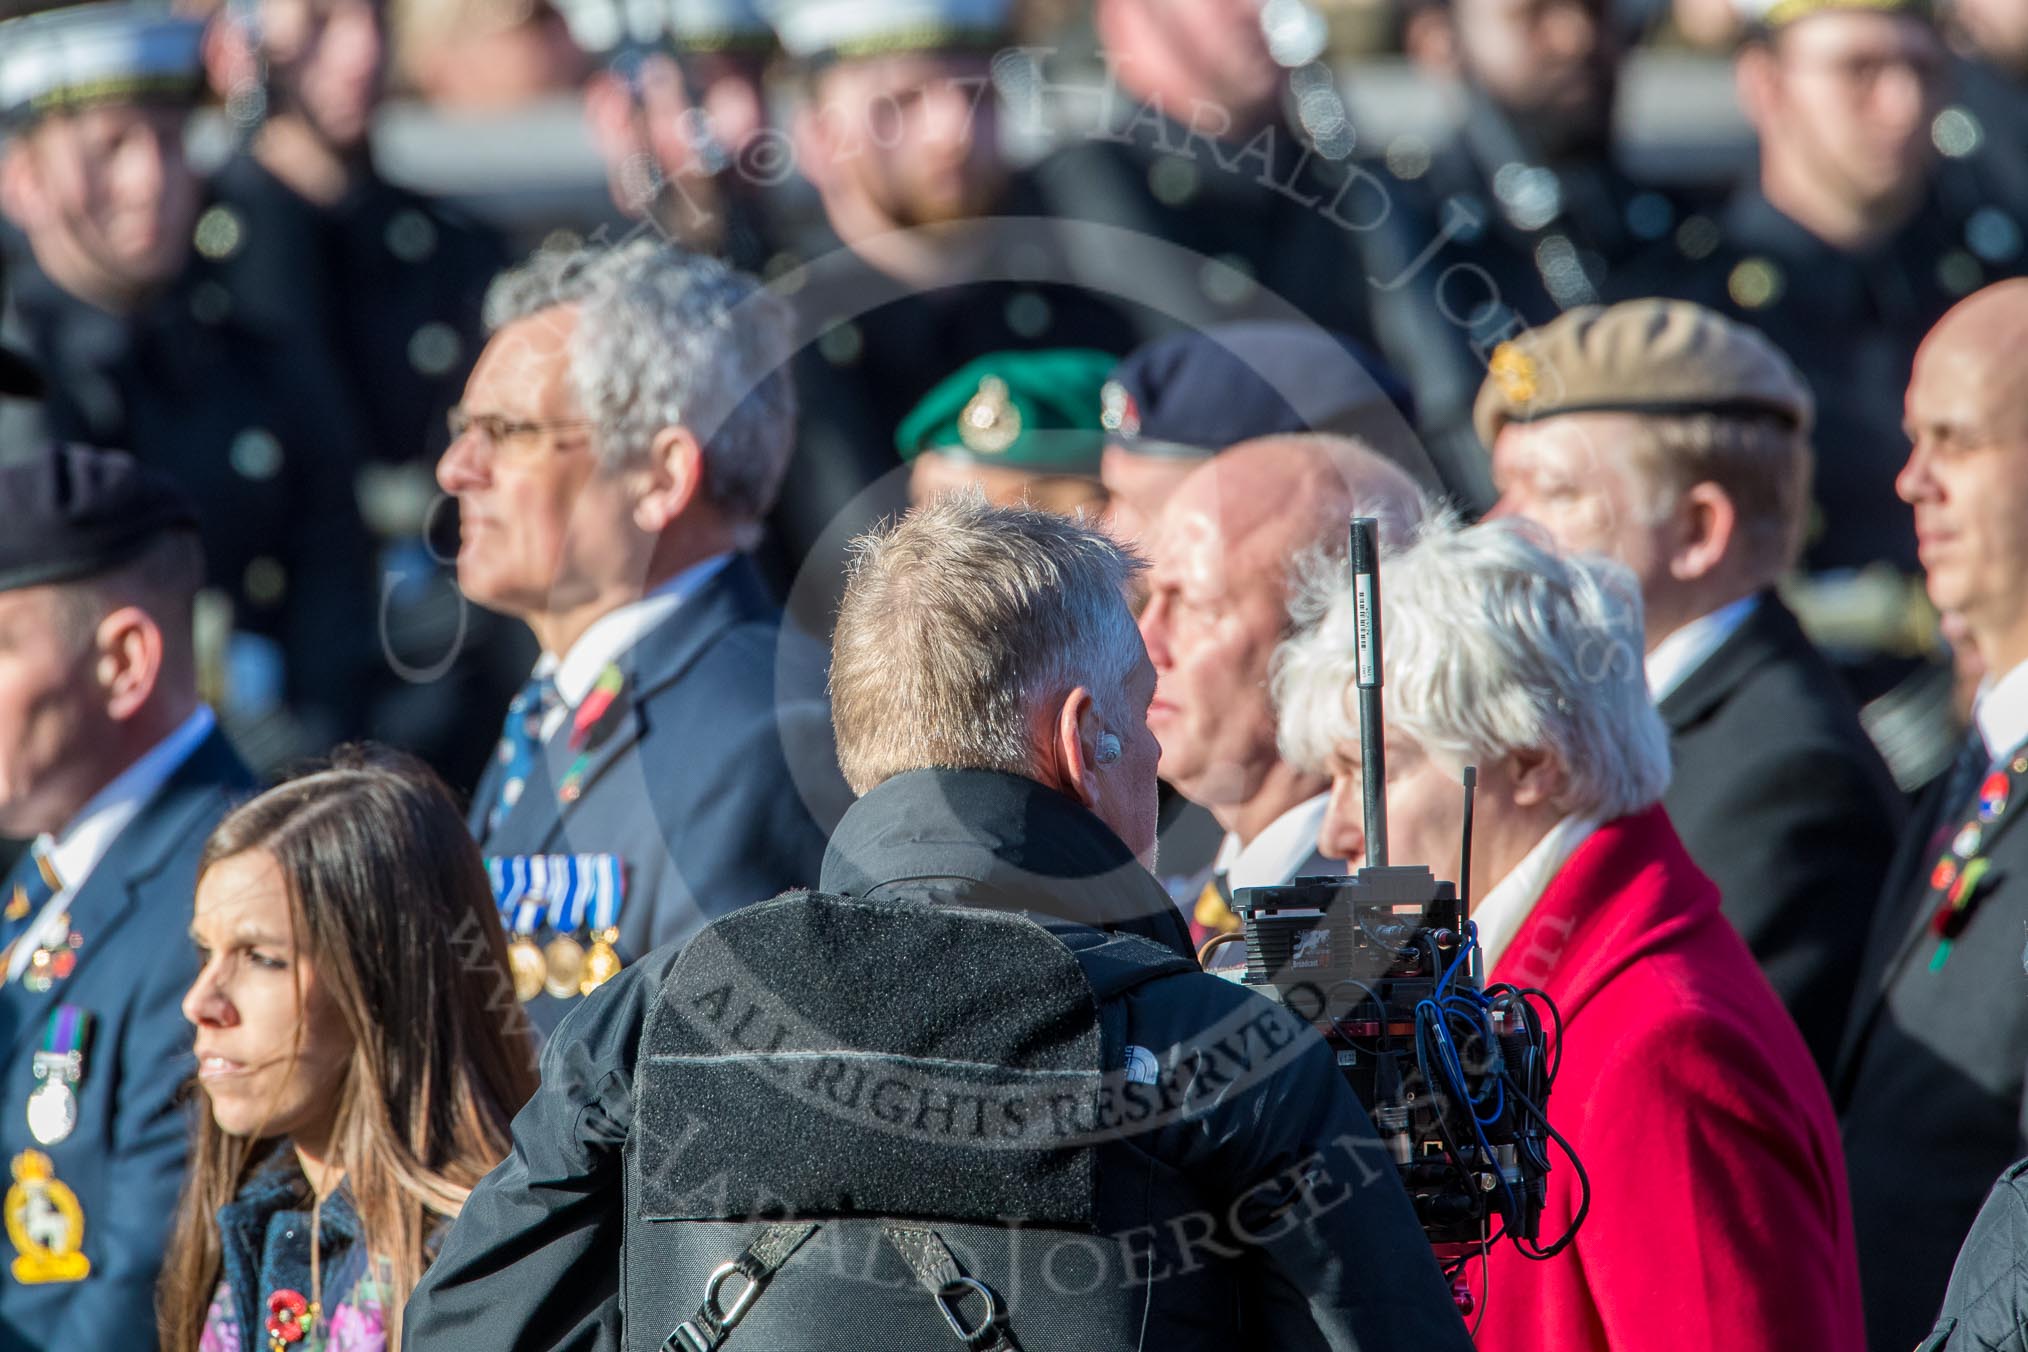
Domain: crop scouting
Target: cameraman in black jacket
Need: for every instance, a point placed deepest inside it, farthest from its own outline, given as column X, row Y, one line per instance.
column 990, row 694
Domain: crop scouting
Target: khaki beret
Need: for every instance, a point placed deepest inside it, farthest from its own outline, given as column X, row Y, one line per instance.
column 1662, row 357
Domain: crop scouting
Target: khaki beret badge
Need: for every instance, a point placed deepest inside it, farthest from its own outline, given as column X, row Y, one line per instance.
column 990, row 423
column 1514, row 371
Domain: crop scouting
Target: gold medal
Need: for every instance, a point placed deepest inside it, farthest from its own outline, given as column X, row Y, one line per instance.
column 525, row 960
column 603, row 963
column 563, row 964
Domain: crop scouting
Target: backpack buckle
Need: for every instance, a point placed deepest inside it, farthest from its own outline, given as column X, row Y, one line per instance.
column 954, row 1290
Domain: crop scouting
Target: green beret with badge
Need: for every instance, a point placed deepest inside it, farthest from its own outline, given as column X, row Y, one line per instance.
column 1038, row 412
column 1664, row 358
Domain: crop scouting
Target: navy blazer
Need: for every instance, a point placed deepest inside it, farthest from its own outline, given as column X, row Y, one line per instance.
column 714, row 779
column 1930, row 1085
column 124, row 1161
column 1781, row 798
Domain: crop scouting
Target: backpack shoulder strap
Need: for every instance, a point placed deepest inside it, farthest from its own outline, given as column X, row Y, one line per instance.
column 1114, row 964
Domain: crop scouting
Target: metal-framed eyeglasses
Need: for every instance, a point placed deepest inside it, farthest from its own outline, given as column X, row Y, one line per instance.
column 502, row 433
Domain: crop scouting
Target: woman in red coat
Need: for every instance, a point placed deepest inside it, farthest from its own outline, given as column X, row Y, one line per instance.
column 1718, row 1210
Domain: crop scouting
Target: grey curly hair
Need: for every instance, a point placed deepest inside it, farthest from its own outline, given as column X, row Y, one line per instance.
column 670, row 338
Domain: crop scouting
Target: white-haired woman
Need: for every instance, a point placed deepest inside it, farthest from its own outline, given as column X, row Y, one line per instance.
column 1718, row 1215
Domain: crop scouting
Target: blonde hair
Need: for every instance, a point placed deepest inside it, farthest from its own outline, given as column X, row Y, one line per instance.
column 962, row 620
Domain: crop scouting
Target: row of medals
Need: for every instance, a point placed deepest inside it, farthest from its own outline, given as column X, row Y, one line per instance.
column 563, row 966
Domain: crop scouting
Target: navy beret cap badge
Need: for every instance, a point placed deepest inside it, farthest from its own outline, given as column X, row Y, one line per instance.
column 1118, row 413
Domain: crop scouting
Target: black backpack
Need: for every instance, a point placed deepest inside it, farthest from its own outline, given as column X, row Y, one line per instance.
column 869, row 1124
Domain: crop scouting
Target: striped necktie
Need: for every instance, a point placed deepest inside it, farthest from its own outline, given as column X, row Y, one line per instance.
column 520, row 740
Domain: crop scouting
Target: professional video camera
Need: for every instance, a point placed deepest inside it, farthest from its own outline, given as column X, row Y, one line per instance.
column 1386, row 965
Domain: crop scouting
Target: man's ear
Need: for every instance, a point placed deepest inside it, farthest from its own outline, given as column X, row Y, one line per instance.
column 1707, row 524
column 674, row 476
column 127, row 660
column 1756, row 79
column 1537, row 777
column 1073, row 747
column 22, row 200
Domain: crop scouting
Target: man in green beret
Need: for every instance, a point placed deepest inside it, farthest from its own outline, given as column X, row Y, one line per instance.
column 1023, row 427
column 1676, row 441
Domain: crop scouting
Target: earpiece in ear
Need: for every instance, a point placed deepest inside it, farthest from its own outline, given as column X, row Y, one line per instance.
column 1108, row 748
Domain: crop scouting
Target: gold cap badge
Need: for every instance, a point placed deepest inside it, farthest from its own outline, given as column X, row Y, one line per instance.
column 1514, row 371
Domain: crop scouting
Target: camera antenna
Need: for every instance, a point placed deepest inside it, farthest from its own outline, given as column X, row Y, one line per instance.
column 1465, row 849
column 1366, row 646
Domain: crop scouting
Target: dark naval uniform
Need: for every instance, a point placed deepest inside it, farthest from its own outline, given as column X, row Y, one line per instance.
column 1517, row 241
column 392, row 280
column 1851, row 323
column 1265, row 215
column 697, row 777
column 537, row 1257
column 1272, row 229
column 877, row 346
column 263, row 443
column 1929, row 1085
column 1980, row 135
column 391, row 284
column 1550, row 234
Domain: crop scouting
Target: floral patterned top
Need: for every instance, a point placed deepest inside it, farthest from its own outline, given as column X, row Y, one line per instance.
column 265, row 1233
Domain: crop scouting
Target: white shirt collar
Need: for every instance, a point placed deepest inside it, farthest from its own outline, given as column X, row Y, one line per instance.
column 90, row 834
column 1510, row 902
column 1682, row 652
column 1278, row 852
column 2001, row 712
column 612, row 634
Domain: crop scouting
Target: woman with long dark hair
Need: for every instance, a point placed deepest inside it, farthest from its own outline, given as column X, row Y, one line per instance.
column 362, row 1055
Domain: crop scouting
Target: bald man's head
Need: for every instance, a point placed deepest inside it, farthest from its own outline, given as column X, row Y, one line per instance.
column 1222, row 555
column 1967, row 470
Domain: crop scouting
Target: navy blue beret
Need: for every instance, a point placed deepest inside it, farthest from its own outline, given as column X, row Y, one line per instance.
column 73, row 512
column 1190, row 395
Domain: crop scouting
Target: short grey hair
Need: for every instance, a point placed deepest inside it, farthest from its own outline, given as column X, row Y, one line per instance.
column 667, row 338
column 963, row 621
column 1493, row 643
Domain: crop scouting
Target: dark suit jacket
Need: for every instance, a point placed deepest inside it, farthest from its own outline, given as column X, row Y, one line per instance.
column 717, row 785
column 1781, row 798
column 1929, row 1086
column 125, row 1158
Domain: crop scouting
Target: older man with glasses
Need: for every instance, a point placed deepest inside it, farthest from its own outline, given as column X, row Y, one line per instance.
column 625, row 429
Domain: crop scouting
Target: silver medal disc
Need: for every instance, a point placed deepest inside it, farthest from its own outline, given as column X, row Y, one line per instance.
column 52, row 1111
